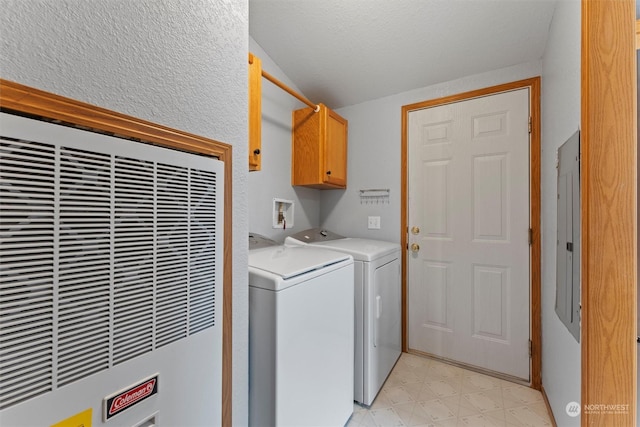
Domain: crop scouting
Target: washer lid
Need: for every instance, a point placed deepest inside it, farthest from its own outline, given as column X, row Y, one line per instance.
column 314, row 235
column 257, row 241
column 361, row 249
column 289, row 262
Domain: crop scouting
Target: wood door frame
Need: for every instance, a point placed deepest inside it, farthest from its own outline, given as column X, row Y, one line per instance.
column 608, row 211
column 21, row 99
column 534, row 207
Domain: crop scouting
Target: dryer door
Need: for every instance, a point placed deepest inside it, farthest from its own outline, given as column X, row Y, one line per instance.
column 386, row 320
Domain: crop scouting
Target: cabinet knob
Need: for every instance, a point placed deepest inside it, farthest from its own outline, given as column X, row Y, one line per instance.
column 256, row 151
column 328, row 172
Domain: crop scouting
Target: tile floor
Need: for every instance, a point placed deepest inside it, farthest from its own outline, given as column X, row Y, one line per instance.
column 426, row 392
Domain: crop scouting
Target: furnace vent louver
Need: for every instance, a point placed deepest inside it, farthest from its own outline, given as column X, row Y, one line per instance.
column 103, row 257
column 84, row 264
column 27, row 220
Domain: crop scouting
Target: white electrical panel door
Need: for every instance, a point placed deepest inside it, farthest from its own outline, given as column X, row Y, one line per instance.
column 110, row 279
column 568, row 240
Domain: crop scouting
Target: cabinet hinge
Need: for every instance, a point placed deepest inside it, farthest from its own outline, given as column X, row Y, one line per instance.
column 530, row 348
column 530, row 123
column 530, row 236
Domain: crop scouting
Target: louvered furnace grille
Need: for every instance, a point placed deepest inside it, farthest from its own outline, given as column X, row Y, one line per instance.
column 104, row 256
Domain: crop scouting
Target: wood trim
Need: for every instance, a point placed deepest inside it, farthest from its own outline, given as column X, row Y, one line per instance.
column 26, row 100
column 637, row 34
column 404, row 222
column 534, row 214
column 608, row 225
column 255, row 113
column 548, row 405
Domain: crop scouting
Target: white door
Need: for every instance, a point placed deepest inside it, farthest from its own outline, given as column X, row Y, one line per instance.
column 469, row 232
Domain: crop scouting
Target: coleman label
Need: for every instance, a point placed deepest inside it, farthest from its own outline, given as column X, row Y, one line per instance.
column 125, row 399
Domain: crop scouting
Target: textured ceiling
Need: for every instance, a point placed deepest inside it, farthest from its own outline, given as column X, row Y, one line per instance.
column 343, row 52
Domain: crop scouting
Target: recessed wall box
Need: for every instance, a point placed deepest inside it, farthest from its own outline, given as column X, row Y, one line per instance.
column 282, row 213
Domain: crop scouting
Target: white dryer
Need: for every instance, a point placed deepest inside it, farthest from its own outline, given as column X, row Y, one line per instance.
column 378, row 328
column 300, row 335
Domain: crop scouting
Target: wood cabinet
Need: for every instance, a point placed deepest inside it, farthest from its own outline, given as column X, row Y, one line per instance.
column 319, row 149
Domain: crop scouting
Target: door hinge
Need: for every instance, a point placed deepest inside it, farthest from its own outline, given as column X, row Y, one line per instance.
column 530, row 236
column 530, row 348
column 530, row 123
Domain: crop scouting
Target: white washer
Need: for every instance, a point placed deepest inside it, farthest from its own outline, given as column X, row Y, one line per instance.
column 378, row 328
column 300, row 336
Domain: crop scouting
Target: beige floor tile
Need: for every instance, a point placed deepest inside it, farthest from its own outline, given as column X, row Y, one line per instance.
column 524, row 416
column 422, row 392
column 420, row 416
column 481, row 420
column 386, row 418
column 483, row 401
column 398, row 395
column 498, row 415
column 541, row 410
column 409, row 377
column 425, row 394
column 381, row 401
column 437, row 410
column 414, row 389
column 451, row 422
column 405, row 411
column 472, row 382
column 443, row 387
column 442, row 370
column 524, row 394
column 453, row 403
column 466, row 411
column 367, row 420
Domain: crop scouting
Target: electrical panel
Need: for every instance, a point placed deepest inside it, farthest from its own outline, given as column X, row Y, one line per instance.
column 568, row 238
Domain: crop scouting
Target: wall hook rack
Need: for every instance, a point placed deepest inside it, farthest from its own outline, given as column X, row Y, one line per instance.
column 374, row 196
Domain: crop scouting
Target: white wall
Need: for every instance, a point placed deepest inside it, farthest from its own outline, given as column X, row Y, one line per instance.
column 274, row 179
column 180, row 63
column 374, row 153
column 560, row 119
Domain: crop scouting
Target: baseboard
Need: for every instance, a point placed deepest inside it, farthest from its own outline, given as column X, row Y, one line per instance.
column 546, row 402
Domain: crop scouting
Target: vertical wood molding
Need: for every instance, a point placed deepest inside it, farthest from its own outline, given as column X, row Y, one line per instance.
column 608, row 190
column 404, row 223
column 255, row 113
column 534, row 209
column 31, row 101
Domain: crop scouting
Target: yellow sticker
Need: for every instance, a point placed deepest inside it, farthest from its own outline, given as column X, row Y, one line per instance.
column 82, row 419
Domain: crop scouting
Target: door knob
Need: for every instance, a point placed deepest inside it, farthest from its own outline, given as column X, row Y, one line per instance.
column 415, row 247
column 415, row 230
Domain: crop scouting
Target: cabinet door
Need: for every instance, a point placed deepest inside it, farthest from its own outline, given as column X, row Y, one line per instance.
column 255, row 112
column 335, row 155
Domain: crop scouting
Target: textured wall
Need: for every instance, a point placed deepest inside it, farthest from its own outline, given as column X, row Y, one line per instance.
column 374, row 154
column 274, row 180
column 180, row 63
column 560, row 119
